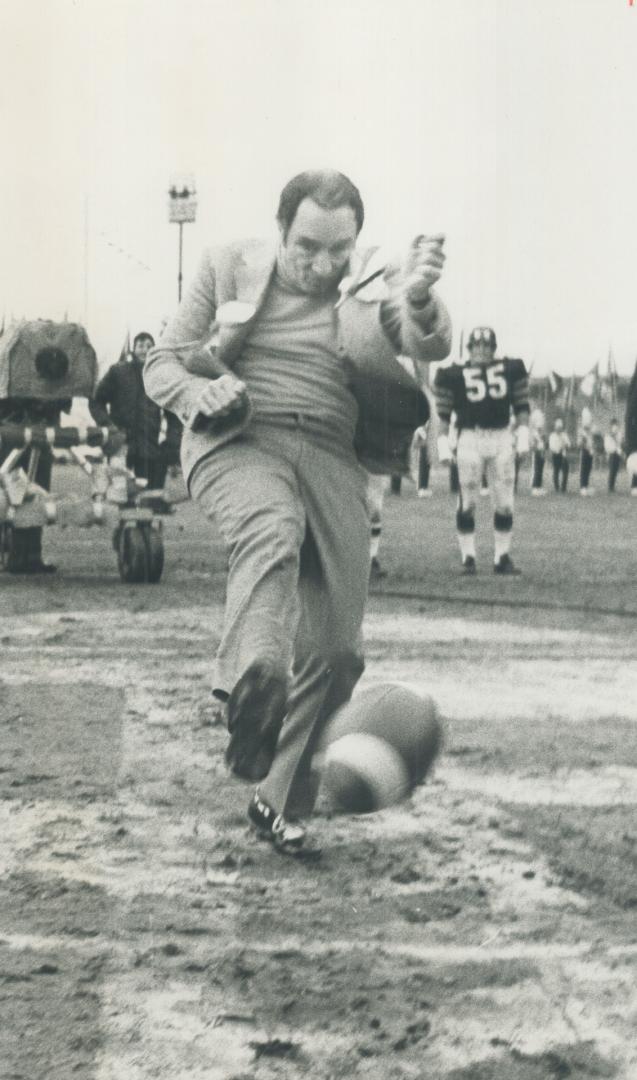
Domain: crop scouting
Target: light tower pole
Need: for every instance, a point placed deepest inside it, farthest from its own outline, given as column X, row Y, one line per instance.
column 182, row 207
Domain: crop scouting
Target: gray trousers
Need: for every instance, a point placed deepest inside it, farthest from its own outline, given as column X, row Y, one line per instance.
column 289, row 499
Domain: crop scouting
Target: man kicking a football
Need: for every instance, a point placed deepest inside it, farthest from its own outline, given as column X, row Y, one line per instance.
column 299, row 387
column 484, row 393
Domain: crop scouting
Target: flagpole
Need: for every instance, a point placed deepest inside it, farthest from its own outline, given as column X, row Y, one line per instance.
column 570, row 399
column 612, row 374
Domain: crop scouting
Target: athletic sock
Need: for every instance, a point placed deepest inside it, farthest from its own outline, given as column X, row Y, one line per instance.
column 375, row 543
column 502, row 544
column 467, row 542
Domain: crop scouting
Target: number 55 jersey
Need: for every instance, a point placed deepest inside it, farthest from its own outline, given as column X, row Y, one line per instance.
column 482, row 395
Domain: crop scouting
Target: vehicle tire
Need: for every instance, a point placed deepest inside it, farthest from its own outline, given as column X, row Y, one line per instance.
column 140, row 556
column 6, row 543
column 155, row 547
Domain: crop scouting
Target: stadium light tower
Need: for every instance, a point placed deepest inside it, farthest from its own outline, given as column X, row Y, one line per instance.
column 182, row 207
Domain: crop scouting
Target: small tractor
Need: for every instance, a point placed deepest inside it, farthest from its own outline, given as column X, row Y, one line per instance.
column 44, row 365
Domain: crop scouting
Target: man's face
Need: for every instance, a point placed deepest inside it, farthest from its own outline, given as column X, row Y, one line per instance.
column 142, row 348
column 318, row 246
column 481, row 353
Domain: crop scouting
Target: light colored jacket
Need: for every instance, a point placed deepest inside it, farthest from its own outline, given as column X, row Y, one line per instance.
column 559, row 442
column 195, row 348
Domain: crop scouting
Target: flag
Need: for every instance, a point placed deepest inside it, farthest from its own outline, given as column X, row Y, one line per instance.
column 588, row 385
column 554, row 384
column 608, row 383
column 125, row 350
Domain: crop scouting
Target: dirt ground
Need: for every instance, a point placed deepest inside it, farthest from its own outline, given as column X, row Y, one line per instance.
column 486, row 930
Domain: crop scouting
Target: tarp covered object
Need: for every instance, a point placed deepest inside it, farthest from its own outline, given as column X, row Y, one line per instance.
column 23, row 375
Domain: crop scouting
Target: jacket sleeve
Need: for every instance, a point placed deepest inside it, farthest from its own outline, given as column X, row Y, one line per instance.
column 166, row 377
column 172, row 442
column 422, row 333
column 98, row 404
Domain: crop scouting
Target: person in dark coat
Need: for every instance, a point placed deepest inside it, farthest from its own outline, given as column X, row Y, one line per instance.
column 120, row 400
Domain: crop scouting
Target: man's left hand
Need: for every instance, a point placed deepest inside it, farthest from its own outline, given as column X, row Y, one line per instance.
column 423, row 268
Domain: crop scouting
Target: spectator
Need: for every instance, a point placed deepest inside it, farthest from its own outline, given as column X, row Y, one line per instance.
column 612, row 449
column 121, row 402
column 585, row 443
column 538, row 451
column 559, row 444
column 424, row 461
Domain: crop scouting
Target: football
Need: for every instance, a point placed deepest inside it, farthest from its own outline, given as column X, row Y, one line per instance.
column 378, row 747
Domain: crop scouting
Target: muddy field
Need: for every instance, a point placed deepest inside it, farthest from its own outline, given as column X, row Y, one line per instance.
column 485, row 931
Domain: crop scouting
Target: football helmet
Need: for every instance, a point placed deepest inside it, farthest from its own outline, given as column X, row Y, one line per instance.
column 482, row 335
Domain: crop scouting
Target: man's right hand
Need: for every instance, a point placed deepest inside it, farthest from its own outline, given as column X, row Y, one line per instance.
column 423, row 267
column 218, row 398
column 115, row 444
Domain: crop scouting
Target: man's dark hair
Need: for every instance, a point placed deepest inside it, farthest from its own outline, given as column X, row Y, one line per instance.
column 143, row 336
column 328, row 188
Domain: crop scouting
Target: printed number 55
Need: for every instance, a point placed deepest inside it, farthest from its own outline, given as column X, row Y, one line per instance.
column 477, row 389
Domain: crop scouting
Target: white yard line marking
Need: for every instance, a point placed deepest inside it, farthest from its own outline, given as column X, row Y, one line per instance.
column 303, row 947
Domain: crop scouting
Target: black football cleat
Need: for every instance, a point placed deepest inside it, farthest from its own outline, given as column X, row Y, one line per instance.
column 256, row 708
column 505, row 565
column 469, row 568
column 288, row 837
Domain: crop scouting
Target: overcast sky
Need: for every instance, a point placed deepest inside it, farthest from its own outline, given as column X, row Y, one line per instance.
column 510, row 125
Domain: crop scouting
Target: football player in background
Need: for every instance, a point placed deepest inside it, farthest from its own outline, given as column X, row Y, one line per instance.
column 484, row 394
